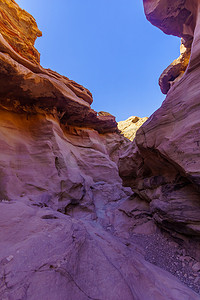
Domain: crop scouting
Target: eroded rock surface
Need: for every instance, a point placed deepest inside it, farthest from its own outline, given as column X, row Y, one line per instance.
column 19, row 29
column 67, row 224
column 176, row 18
column 173, row 17
column 163, row 164
column 27, row 87
column 176, row 70
column 130, row 126
column 68, row 258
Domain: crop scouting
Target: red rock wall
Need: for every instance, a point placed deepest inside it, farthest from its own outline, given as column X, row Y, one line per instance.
column 163, row 166
column 19, row 29
column 27, row 87
column 66, row 221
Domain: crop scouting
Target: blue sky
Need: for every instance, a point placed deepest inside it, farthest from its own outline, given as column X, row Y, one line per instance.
column 109, row 47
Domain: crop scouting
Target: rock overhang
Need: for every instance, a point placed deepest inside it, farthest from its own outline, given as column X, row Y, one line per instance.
column 27, row 87
column 172, row 17
column 176, row 18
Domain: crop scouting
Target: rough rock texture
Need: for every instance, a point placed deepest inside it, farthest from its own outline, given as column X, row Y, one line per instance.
column 176, row 70
column 130, row 126
column 63, row 230
column 65, row 258
column 19, row 29
column 176, row 18
column 163, row 163
column 68, row 228
column 54, row 166
column 27, row 87
column 173, row 17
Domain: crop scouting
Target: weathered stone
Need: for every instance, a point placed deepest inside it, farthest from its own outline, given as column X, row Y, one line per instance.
column 175, row 71
column 176, row 18
column 64, row 232
column 19, row 29
column 163, row 164
column 173, row 17
column 61, row 257
column 196, row 267
column 130, row 126
column 27, row 87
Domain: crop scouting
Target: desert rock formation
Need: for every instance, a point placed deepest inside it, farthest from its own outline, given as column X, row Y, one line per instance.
column 27, row 87
column 176, row 70
column 130, row 126
column 67, row 224
column 19, row 29
column 177, row 18
column 163, row 164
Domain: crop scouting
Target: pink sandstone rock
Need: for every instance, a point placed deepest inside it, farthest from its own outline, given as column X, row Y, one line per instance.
column 163, row 164
column 65, row 219
column 27, row 87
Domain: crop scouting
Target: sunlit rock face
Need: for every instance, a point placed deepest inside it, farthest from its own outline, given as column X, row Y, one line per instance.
column 129, row 127
column 176, row 69
column 163, row 164
column 27, row 87
column 65, row 219
column 19, row 29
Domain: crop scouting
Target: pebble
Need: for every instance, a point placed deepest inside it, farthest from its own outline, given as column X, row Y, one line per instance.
column 9, row 258
column 190, row 264
column 173, row 260
column 187, row 258
column 191, row 278
column 196, row 280
column 196, row 267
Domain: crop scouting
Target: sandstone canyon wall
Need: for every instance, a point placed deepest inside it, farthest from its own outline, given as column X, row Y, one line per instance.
column 171, row 135
column 66, row 220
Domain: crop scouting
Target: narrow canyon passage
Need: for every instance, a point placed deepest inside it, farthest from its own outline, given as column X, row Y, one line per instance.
column 92, row 209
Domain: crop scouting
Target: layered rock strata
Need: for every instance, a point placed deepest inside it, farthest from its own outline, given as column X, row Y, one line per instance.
column 163, row 163
column 66, row 220
column 19, row 29
column 27, row 87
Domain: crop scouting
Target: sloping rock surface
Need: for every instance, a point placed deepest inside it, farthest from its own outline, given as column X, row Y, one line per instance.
column 52, row 256
column 66, row 220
